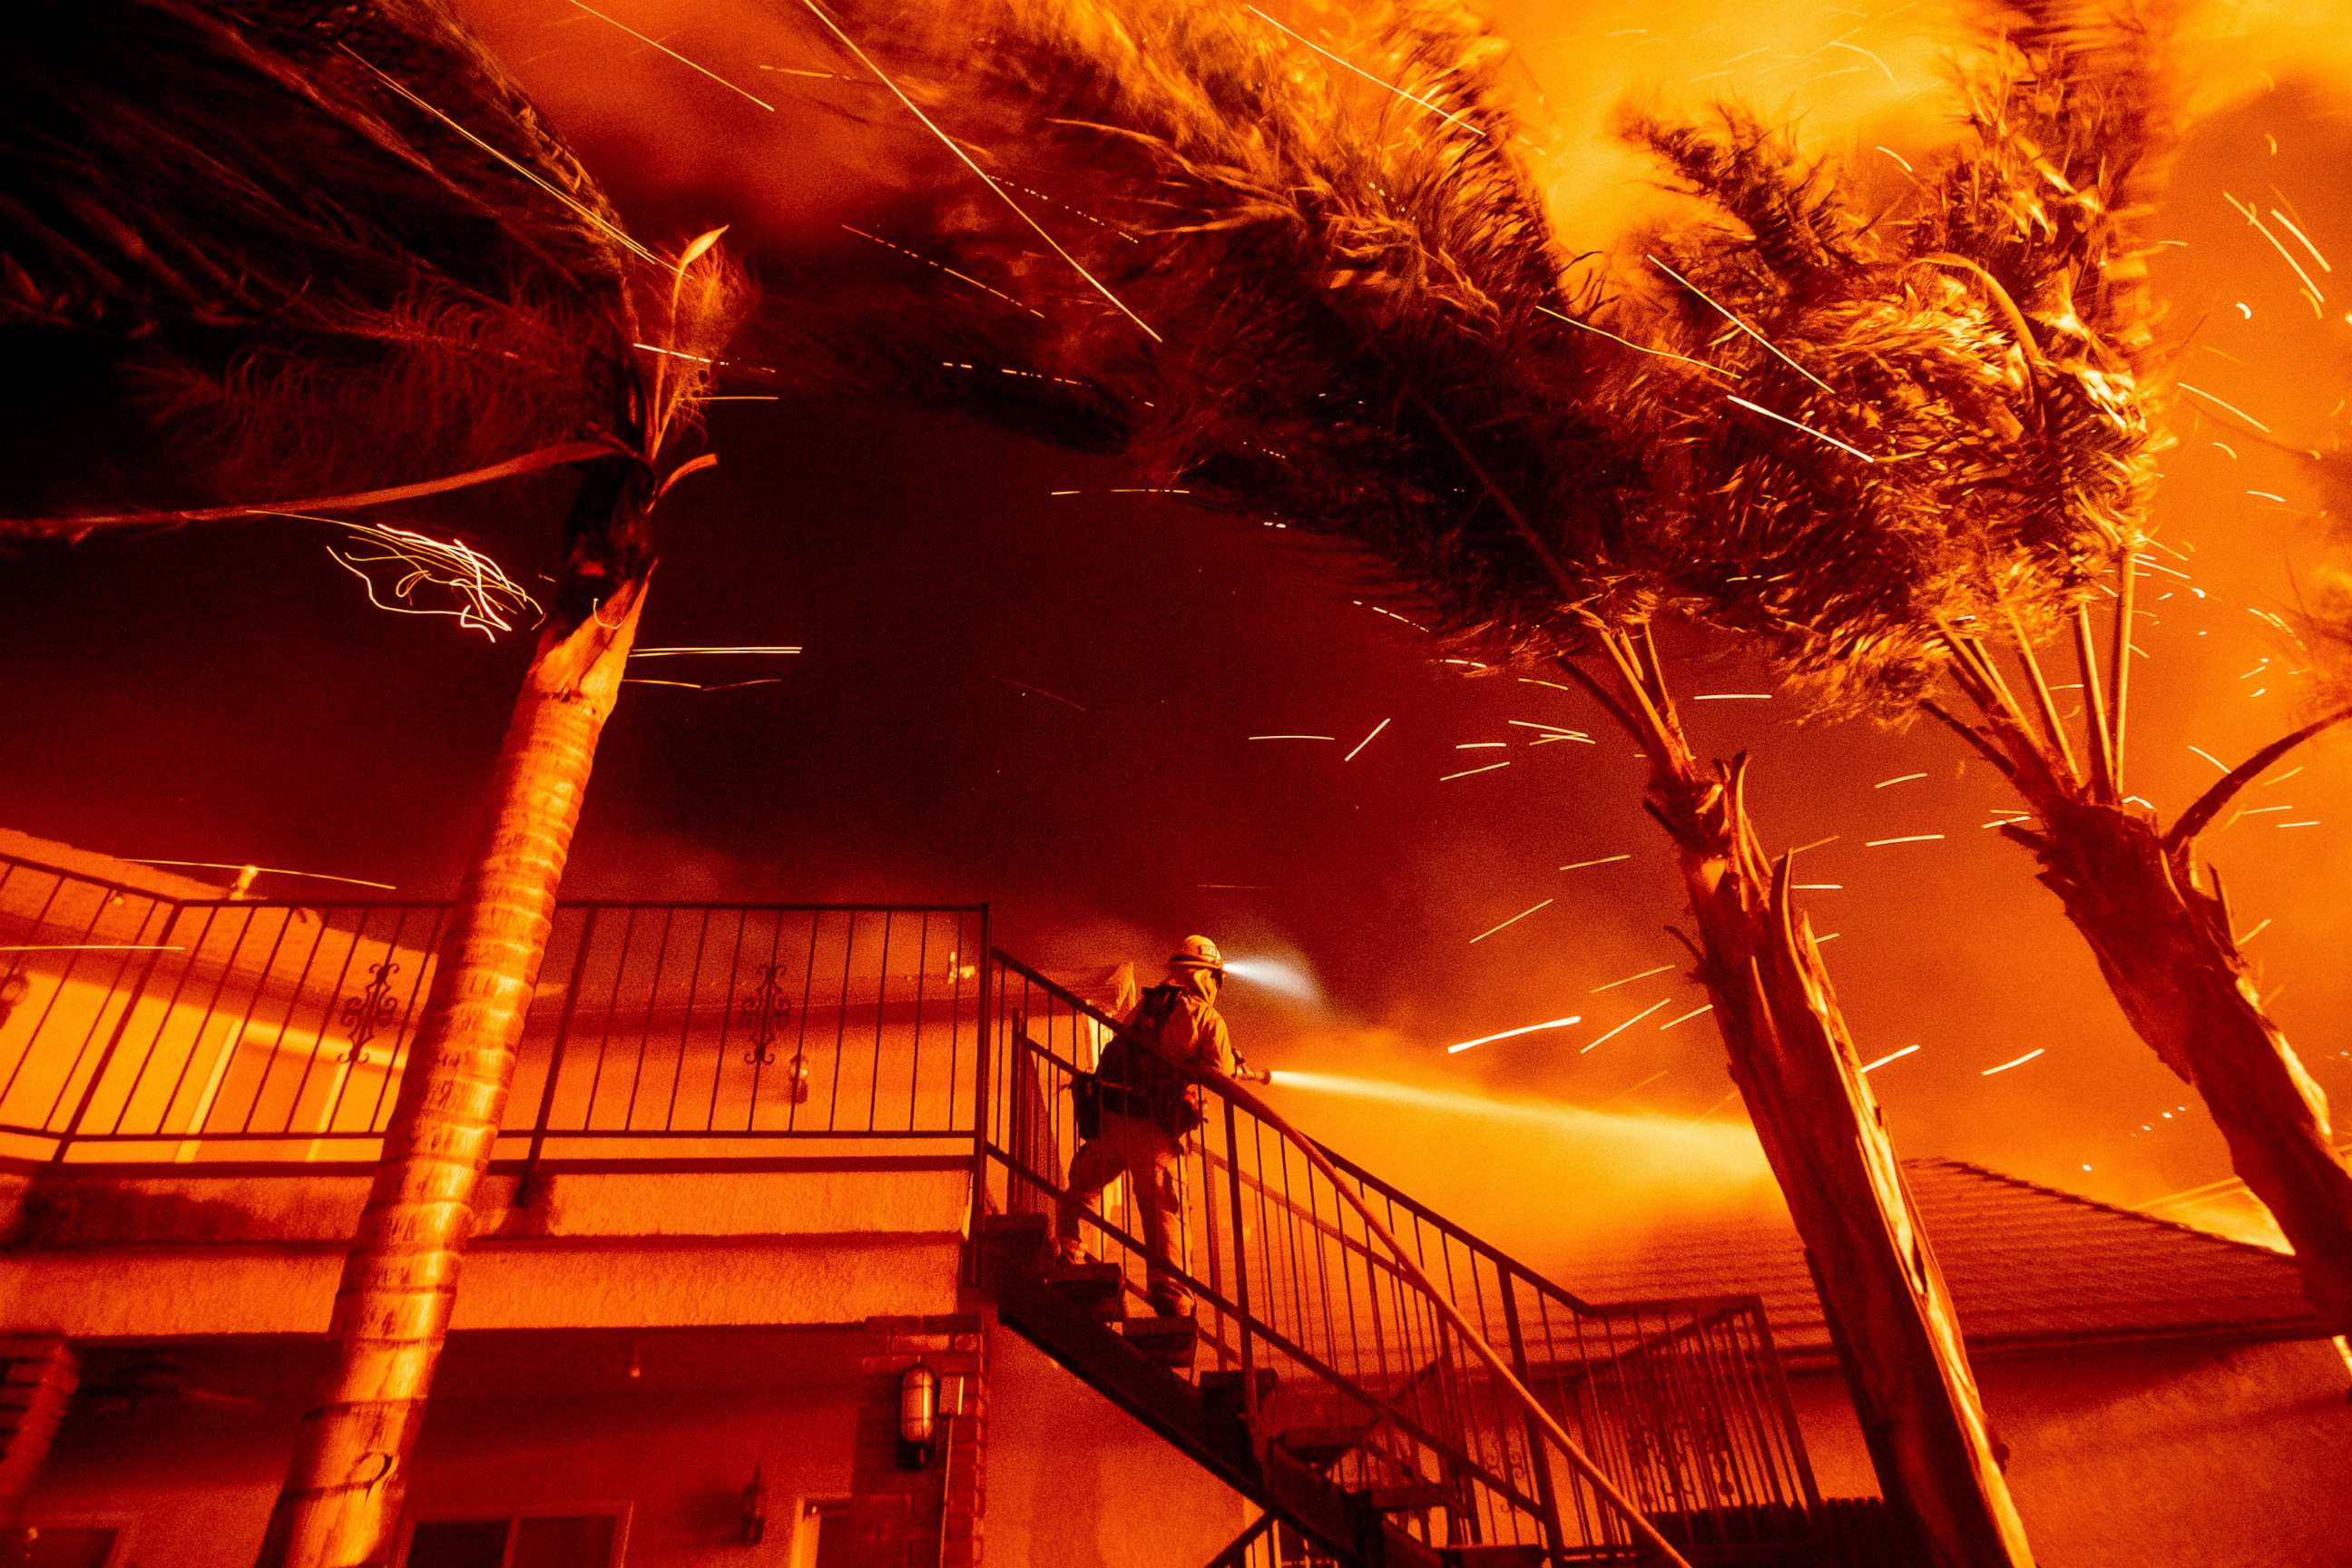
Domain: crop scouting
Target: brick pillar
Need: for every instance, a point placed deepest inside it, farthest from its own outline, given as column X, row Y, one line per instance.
column 928, row 1518
column 38, row 1375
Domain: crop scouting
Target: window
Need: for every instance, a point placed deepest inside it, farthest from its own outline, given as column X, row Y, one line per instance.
column 59, row 1545
column 537, row 1541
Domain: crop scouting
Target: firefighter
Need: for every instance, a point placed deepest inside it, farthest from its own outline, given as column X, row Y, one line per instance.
column 1144, row 1107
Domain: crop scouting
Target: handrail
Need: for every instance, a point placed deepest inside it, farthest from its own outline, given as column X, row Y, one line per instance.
column 1238, row 1552
column 1538, row 1416
column 1568, row 1446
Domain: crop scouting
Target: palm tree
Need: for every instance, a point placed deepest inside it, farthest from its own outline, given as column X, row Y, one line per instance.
column 1977, row 457
column 1348, row 315
column 339, row 246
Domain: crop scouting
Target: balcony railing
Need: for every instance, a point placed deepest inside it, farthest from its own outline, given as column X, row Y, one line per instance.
column 139, row 1027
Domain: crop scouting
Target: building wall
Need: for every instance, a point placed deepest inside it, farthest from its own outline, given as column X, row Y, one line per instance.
column 195, row 1473
column 1074, row 1482
column 2222, row 1456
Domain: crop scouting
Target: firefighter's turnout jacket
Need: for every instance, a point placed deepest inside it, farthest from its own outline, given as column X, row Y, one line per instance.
column 1178, row 1018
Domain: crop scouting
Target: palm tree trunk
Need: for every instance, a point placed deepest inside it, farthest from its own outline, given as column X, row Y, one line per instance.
column 2166, row 947
column 344, row 1489
column 2165, row 950
column 1794, row 1061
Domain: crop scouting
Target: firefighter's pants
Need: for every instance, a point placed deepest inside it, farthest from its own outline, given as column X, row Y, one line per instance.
column 1148, row 1157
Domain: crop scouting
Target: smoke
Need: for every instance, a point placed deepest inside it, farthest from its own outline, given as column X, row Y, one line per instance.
column 1543, row 1178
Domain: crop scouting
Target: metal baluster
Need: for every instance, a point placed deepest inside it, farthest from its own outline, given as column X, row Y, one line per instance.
column 1247, row 1322
column 73, row 1123
column 646, row 1027
column 686, row 1026
column 555, row 1058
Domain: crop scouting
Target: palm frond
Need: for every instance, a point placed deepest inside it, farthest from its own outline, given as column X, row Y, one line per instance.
column 1361, row 301
column 1940, row 424
column 293, row 216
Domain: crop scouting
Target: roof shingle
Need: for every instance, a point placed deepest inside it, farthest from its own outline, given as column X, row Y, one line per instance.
column 2028, row 1265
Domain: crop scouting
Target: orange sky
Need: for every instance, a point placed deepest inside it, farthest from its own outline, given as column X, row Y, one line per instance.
column 928, row 568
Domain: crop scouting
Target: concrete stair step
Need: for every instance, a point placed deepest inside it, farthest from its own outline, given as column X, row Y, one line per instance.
column 1099, row 1289
column 1320, row 1446
column 1167, row 1342
column 1407, row 1497
column 1222, row 1390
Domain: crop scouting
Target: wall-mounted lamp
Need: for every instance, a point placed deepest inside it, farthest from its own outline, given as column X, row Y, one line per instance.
column 919, row 1415
column 755, row 1510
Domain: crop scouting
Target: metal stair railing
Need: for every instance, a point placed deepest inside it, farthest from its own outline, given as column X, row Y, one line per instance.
column 1259, row 1545
column 1466, row 1368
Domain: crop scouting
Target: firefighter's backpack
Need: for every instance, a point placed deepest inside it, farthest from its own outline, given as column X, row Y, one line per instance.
column 1132, row 1078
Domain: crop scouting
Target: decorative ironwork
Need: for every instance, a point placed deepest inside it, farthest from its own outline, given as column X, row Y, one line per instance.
column 370, row 1010
column 764, row 1009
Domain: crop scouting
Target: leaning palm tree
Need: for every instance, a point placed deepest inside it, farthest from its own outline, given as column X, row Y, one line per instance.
column 336, row 248
column 1973, row 459
column 1342, row 308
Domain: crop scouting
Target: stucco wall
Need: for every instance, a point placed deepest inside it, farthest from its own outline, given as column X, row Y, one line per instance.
column 1074, row 1482
column 196, row 1474
column 2218, row 1456
column 109, row 1254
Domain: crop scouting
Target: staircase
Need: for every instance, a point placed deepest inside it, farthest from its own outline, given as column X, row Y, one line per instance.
column 1321, row 1381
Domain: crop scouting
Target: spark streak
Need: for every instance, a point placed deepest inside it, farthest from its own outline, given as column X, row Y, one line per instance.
column 1604, row 860
column 485, row 596
column 1466, row 773
column 2014, row 1062
column 1512, row 1033
column 570, row 202
column 2223, row 403
column 1686, row 1017
column 1367, row 740
column 749, row 650
column 1294, row 737
column 95, row 947
column 1743, row 326
column 987, row 179
column 268, row 870
column 672, row 53
column 2294, row 228
column 1631, row 978
column 1639, row 347
column 700, row 685
column 1898, row 778
column 1049, row 696
column 1906, row 838
column 943, row 267
column 1340, row 60
column 1895, row 1056
column 1731, row 697
column 1625, row 1026
column 1512, row 922
column 2246, row 210
column 1800, row 425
